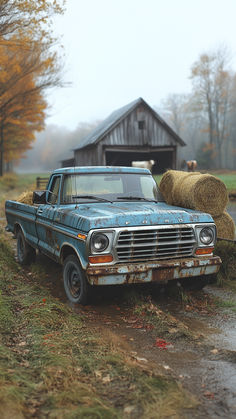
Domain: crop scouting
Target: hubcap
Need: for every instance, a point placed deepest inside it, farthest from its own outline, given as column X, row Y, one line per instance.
column 74, row 282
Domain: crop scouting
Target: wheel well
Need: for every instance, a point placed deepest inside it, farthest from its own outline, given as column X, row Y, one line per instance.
column 17, row 227
column 66, row 251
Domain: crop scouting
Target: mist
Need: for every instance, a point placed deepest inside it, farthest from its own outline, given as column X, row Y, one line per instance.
column 51, row 146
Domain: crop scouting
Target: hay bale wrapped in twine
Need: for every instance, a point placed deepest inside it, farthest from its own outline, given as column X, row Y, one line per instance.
column 166, row 185
column 202, row 192
column 225, row 226
column 179, row 179
column 194, row 190
column 168, row 182
column 26, row 198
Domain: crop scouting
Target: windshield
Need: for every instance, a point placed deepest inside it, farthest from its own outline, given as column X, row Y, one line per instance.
column 109, row 186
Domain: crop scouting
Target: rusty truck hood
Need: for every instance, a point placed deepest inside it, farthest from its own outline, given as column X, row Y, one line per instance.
column 121, row 214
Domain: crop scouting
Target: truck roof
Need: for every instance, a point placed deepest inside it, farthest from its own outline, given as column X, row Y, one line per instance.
column 102, row 169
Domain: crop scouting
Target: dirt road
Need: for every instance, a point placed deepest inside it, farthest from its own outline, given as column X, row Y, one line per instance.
column 192, row 338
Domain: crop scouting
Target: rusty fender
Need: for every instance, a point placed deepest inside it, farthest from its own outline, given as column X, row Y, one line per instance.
column 161, row 271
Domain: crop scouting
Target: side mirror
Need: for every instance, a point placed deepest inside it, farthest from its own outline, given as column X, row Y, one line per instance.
column 39, row 197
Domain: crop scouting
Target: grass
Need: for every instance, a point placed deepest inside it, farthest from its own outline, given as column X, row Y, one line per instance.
column 11, row 186
column 52, row 365
column 229, row 180
column 227, row 252
column 226, row 304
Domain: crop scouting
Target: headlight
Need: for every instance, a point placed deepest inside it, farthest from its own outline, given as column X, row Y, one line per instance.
column 99, row 242
column 206, row 235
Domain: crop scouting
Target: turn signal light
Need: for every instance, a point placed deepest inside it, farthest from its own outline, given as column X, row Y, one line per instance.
column 101, row 259
column 204, row 251
column 81, row 236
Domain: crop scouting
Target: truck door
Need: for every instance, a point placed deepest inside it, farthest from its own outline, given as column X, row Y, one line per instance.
column 45, row 216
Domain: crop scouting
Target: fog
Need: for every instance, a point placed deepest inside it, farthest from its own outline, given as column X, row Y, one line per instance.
column 51, row 146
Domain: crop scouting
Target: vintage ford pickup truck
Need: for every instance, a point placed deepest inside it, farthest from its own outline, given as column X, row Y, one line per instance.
column 110, row 225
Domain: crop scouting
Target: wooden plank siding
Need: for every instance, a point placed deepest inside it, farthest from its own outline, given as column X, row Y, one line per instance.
column 127, row 136
column 133, row 132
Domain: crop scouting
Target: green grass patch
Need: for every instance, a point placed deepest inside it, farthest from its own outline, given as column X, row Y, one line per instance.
column 229, row 179
column 226, row 304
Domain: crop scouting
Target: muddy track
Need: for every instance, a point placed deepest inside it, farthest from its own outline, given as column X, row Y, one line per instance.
column 204, row 364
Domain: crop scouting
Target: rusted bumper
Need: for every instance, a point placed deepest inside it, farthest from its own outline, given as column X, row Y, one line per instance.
column 161, row 271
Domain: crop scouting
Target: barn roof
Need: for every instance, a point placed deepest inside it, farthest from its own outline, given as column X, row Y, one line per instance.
column 112, row 120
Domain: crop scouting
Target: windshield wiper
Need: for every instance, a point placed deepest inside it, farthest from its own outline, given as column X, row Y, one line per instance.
column 135, row 198
column 97, row 198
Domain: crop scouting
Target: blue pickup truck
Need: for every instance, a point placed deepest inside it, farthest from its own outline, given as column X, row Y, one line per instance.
column 110, row 225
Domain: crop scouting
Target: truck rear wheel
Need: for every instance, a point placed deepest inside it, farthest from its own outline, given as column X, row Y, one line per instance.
column 25, row 253
column 76, row 285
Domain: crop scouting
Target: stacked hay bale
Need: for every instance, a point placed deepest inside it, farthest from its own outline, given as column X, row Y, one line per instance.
column 26, row 198
column 202, row 192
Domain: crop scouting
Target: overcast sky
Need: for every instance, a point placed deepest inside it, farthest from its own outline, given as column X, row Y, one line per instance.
column 119, row 50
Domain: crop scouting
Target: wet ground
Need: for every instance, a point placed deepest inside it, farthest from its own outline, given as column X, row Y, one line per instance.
column 204, row 363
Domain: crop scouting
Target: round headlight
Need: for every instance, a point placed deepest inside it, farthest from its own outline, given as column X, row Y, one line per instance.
column 99, row 242
column 206, row 235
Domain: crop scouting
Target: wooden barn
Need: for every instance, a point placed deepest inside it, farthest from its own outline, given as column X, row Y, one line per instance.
column 131, row 133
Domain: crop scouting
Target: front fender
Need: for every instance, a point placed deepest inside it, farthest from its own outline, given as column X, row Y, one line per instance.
column 69, row 248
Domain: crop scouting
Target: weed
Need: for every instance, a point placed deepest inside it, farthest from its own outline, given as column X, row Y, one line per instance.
column 227, row 252
column 226, row 303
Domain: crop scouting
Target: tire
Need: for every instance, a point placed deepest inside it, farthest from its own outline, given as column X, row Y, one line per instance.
column 76, row 285
column 25, row 253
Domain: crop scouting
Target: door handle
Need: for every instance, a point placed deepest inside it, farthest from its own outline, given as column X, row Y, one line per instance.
column 40, row 211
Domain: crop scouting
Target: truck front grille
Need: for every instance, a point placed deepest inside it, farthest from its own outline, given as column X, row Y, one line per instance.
column 158, row 243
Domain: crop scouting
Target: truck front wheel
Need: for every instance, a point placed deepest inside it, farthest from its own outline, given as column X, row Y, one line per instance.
column 25, row 253
column 75, row 283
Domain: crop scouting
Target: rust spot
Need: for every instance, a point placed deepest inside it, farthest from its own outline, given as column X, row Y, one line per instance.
column 50, row 238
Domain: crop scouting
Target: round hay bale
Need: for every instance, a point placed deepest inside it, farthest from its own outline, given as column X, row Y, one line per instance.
column 178, row 179
column 26, row 198
column 166, row 185
column 225, row 226
column 202, row 192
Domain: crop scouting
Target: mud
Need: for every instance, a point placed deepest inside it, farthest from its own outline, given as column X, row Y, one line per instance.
column 205, row 364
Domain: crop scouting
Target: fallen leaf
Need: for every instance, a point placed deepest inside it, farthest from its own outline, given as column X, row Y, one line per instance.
column 161, row 343
column 98, row 374
column 106, row 379
column 141, row 359
column 209, row 395
column 22, row 344
column 129, row 409
column 173, row 330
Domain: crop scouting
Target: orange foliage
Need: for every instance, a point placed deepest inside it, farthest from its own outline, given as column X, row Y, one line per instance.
column 28, row 67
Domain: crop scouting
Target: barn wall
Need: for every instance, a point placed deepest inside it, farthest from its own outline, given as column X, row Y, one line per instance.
column 127, row 132
column 91, row 156
column 127, row 135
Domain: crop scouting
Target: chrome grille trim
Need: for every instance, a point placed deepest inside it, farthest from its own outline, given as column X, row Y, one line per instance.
column 155, row 243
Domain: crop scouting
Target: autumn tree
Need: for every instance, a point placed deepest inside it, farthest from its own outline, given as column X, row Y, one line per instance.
column 29, row 66
column 212, row 86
